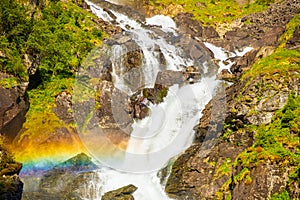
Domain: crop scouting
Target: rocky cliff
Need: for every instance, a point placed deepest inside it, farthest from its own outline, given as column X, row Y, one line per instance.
column 250, row 150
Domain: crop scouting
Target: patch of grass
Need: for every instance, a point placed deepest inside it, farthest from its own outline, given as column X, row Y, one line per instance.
column 290, row 29
column 224, row 169
column 243, row 175
column 282, row 61
column 281, row 196
column 278, row 141
column 215, row 11
column 40, row 119
column 9, row 82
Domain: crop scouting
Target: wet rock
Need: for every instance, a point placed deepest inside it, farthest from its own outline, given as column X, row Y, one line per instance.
column 107, row 27
column 11, row 186
column 140, row 100
column 133, row 14
column 245, row 62
column 68, row 180
column 14, row 104
column 124, row 193
column 226, row 76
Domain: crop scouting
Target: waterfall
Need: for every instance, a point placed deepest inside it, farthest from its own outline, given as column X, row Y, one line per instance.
column 168, row 130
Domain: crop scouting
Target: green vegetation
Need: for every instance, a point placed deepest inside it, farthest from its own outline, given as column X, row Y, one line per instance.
column 57, row 35
column 290, row 28
column 278, row 141
column 282, row 60
column 281, row 196
column 9, row 82
column 215, row 11
column 40, row 118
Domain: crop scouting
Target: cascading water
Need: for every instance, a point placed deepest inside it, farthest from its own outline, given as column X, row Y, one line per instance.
column 168, row 130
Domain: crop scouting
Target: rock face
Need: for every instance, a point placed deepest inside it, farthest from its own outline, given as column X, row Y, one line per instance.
column 261, row 29
column 294, row 42
column 124, row 193
column 68, row 180
column 11, row 187
column 63, row 107
column 13, row 107
column 188, row 25
column 244, row 63
column 205, row 167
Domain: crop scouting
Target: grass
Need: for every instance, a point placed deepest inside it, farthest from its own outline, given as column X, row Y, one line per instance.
column 281, row 61
column 40, row 119
column 290, row 28
column 281, row 196
column 9, row 82
column 214, row 12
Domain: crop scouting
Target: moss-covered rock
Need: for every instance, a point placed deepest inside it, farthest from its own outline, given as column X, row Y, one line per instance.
column 124, row 193
column 11, row 187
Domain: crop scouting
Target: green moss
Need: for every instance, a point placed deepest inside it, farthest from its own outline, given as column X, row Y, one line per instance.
column 40, row 119
column 290, row 29
column 224, row 169
column 216, row 11
column 282, row 61
column 243, row 175
column 278, row 141
column 281, row 196
column 9, row 82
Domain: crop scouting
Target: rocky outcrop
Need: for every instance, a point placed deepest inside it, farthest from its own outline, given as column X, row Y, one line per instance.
column 245, row 62
column 124, row 193
column 187, row 25
column 63, row 107
column 14, row 104
column 11, row 187
column 134, row 14
column 260, row 29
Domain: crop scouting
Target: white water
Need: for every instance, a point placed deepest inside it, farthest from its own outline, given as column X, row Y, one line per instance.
column 166, row 23
column 222, row 55
column 147, row 40
column 169, row 128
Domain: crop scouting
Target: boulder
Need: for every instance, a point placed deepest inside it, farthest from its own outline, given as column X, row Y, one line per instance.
column 124, row 193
